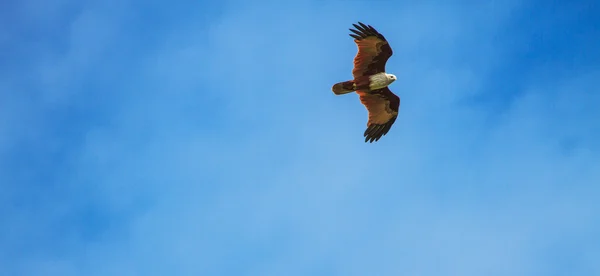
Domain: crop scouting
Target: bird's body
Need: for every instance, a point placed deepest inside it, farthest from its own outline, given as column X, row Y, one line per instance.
column 380, row 80
column 371, row 81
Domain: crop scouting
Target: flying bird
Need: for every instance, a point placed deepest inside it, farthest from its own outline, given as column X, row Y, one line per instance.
column 370, row 81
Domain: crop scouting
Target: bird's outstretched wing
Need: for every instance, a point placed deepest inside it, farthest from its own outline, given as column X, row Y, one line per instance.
column 373, row 50
column 382, row 106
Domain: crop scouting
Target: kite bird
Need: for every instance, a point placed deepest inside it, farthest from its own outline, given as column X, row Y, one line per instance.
column 371, row 81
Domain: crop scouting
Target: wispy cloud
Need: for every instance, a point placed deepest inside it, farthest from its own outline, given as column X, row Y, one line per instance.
column 153, row 139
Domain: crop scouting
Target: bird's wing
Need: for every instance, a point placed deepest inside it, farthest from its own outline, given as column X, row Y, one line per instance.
column 382, row 106
column 373, row 50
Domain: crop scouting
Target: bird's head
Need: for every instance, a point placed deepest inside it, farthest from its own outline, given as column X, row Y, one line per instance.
column 391, row 77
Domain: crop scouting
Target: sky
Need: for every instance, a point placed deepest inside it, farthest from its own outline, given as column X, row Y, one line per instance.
column 202, row 138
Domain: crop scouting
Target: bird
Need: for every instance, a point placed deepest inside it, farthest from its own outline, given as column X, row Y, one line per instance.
column 370, row 81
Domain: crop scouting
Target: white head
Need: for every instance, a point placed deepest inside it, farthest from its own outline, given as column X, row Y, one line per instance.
column 391, row 77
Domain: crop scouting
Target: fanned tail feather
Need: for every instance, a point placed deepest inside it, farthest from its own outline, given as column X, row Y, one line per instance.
column 344, row 87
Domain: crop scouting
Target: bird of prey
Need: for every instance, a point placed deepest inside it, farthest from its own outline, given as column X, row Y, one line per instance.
column 370, row 81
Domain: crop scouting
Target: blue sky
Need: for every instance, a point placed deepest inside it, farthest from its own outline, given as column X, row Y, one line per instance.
column 202, row 138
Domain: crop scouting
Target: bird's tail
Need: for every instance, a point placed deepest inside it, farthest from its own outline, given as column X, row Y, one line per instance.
column 344, row 87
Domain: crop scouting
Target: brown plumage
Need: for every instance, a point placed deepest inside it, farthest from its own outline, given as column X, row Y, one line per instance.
column 371, row 81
